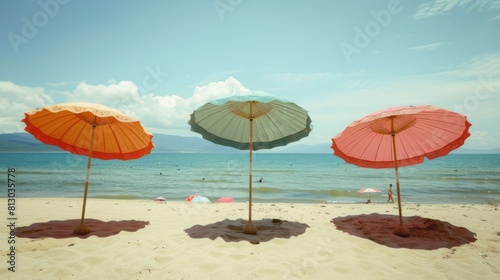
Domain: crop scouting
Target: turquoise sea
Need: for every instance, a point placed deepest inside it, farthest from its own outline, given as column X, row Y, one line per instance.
column 304, row 178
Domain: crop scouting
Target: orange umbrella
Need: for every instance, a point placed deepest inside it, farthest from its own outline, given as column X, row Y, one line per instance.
column 92, row 130
column 401, row 136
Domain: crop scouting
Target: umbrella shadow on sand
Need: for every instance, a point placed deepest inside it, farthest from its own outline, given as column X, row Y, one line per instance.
column 232, row 230
column 64, row 229
column 426, row 234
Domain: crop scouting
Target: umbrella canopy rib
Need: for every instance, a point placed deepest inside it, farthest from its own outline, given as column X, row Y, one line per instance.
column 109, row 139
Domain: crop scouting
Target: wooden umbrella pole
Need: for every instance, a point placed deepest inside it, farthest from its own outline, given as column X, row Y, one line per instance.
column 250, row 228
column 397, row 178
column 401, row 230
column 82, row 229
column 250, row 176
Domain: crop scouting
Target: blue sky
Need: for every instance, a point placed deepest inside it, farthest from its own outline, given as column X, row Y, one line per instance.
column 340, row 60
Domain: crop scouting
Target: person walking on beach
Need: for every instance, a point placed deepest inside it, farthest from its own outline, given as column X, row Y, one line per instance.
column 389, row 194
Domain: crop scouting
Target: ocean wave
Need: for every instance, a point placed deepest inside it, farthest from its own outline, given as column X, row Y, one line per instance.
column 130, row 197
column 332, row 192
column 274, row 171
column 312, row 178
column 266, row 190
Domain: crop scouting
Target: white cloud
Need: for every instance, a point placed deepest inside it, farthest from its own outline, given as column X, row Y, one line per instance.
column 484, row 65
column 15, row 100
column 494, row 18
column 157, row 113
column 478, row 77
column 482, row 139
column 106, row 94
column 471, row 87
column 62, row 84
column 439, row 7
column 161, row 113
column 434, row 8
column 429, row 47
column 203, row 94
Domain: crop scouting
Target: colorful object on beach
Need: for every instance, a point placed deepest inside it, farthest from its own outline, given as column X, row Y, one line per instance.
column 160, row 199
column 200, row 199
column 368, row 191
column 401, row 136
column 225, row 199
column 251, row 122
column 89, row 129
column 189, row 198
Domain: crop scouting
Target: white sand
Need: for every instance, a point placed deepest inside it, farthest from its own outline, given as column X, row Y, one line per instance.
column 202, row 241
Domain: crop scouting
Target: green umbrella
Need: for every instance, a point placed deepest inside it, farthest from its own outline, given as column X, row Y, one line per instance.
column 251, row 122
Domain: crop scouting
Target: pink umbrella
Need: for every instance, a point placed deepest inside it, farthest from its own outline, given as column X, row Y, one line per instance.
column 401, row 136
column 368, row 190
column 225, row 199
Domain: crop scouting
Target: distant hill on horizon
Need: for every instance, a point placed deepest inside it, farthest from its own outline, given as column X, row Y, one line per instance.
column 25, row 142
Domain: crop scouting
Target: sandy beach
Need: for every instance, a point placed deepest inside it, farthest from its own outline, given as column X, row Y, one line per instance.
column 138, row 239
